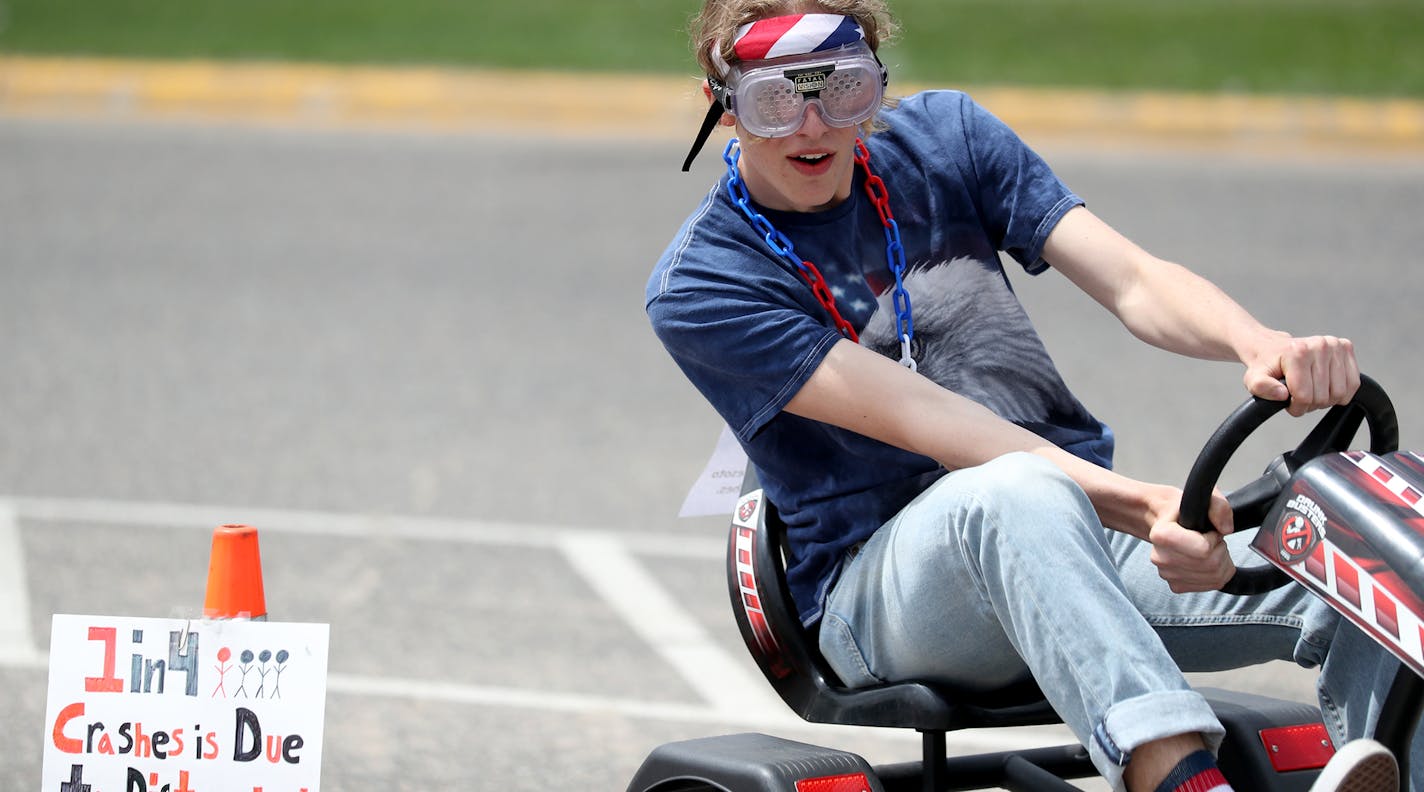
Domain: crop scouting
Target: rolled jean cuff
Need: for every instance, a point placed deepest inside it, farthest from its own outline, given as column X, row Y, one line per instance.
column 1141, row 720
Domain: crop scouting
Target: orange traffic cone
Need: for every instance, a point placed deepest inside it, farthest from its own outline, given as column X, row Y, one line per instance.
column 235, row 576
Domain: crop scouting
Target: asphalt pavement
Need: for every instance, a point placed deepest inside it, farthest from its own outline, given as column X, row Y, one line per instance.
column 417, row 361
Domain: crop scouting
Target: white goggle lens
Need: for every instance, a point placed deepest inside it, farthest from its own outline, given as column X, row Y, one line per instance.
column 847, row 94
column 777, row 105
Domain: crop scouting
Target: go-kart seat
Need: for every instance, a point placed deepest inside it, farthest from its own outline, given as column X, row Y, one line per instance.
column 788, row 654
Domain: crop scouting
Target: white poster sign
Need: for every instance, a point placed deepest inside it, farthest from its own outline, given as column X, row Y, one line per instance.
column 167, row 705
column 716, row 491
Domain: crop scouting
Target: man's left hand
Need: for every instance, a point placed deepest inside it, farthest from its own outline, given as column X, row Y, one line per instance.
column 1318, row 371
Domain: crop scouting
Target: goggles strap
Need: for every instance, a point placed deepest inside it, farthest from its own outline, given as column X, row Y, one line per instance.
column 709, row 121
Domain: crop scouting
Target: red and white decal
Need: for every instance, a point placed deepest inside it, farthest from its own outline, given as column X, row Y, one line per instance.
column 1300, row 530
column 744, row 539
column 1392, row 481
column 1365, row 601
column 747, row 509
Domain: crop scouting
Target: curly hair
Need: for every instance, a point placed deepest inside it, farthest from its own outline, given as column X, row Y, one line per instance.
column 719, row 20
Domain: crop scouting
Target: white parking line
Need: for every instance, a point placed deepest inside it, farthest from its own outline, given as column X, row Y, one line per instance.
column 607, row 566
column 783, row 723
column 205, row 518
column 515, row 698
column 16, row 641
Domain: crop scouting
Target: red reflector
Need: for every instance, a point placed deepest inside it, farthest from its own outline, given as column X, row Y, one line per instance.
column 855, row 782
column 1303, row 747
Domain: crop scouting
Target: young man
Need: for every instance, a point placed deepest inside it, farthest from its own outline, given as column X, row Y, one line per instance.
column 843, row 307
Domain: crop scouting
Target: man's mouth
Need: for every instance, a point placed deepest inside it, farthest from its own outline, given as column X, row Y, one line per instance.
column 811, row 164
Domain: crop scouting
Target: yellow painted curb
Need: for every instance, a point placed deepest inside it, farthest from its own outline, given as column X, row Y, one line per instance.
column 321, row 95
column 1337, row 123
column 647, row 107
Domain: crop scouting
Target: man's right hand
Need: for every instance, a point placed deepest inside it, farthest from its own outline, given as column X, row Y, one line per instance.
column 1192, row 561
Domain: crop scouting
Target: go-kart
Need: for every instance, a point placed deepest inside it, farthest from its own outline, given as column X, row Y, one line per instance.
column 1348, row 525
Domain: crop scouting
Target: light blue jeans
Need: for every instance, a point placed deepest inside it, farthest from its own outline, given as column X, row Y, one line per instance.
column 1003, row 570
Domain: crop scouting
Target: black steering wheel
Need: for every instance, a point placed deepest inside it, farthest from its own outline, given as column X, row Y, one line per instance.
column 1251, row 502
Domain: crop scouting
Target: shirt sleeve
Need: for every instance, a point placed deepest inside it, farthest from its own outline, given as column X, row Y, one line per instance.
column 1021, row 197
column 747, row 351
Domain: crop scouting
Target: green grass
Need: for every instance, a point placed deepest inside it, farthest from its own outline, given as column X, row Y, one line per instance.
column 1362, row 47
column 1371, row 47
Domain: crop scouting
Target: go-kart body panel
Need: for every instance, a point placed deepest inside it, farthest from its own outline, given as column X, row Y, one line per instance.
column 1350, row 527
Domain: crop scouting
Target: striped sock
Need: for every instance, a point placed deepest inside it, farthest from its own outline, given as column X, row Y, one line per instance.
column 1195, row 773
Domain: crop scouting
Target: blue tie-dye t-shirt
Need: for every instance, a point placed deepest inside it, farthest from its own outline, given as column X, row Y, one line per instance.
column 747, row 331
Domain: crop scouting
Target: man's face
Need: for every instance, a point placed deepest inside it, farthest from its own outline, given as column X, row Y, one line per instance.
column 808, row 170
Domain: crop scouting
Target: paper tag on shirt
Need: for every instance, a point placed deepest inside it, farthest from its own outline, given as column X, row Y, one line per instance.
column 716, row 491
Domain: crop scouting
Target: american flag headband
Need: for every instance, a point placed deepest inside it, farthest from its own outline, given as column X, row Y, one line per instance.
column 775, row 37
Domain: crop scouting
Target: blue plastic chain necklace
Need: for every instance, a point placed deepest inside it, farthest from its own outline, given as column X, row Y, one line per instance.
column 783, row 248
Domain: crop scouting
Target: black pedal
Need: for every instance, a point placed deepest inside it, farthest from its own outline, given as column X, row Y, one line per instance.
column 752, row 763
column 1270, row 743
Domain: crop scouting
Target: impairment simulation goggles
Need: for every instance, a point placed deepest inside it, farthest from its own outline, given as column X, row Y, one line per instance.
column 770, row 97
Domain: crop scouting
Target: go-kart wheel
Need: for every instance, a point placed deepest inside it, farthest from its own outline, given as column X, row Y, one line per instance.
column 1250, row 503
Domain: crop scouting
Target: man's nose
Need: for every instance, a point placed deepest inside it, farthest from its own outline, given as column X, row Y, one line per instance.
column 812, row 123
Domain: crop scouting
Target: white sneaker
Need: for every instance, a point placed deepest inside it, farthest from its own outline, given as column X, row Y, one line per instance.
column 1359, row 766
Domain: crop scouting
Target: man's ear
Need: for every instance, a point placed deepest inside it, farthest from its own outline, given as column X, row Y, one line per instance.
column 727, row 119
